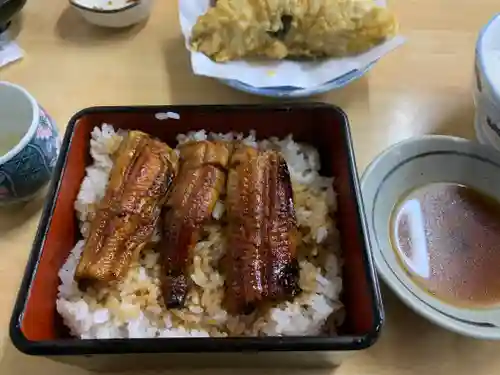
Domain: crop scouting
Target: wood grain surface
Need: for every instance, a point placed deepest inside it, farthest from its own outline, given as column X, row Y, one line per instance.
column 424, row 87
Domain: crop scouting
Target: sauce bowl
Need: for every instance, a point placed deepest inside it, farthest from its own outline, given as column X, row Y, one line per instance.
column 405, row 167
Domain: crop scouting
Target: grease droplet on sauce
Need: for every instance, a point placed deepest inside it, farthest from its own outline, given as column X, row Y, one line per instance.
column 447, row 237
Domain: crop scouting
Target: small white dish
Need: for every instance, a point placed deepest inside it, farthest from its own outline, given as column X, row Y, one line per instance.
column 113, row 13
column 404, row 167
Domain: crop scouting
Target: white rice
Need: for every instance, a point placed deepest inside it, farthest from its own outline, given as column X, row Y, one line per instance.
column 133, row 308
column 103, row 143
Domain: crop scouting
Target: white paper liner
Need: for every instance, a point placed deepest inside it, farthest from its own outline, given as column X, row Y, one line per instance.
column 275, row 73
column 9, row 50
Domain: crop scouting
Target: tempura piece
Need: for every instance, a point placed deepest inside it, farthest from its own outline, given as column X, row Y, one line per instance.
column 127, row 215
column 190, row 204
column 261, row 264
column 277, row 29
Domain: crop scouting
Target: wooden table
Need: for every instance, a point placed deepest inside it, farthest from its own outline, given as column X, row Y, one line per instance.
column 424, row 87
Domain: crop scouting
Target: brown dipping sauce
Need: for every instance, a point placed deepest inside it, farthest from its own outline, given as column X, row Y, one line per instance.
column 447, row 236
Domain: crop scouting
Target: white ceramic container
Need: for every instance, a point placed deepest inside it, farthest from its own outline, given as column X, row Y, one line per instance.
column 486, row 89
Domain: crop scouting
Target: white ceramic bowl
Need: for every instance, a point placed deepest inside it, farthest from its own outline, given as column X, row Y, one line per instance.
column 407, row 166
column 125, row 16
column 487, row 84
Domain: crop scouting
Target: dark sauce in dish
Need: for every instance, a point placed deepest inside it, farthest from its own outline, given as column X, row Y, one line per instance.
column 447, row 237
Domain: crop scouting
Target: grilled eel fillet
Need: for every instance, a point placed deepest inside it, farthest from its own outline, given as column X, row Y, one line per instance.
column 201, row 179
column 260, row 264
column 143, row 171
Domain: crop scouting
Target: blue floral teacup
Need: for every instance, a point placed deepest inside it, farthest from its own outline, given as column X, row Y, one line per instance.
column 29, row 145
